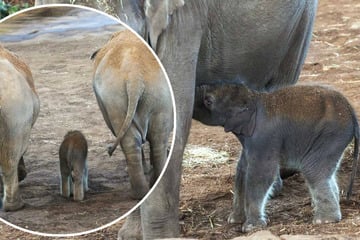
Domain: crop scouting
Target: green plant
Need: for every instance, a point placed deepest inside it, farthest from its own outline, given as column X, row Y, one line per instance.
column 7, row 9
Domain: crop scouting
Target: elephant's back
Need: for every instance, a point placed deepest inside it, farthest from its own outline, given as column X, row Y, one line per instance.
column 128, row 55
column 19, row 65
column 310, row 103
column 127, row 58
column 74, row 143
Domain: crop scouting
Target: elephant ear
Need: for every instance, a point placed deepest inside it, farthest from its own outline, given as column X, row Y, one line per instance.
column 243, row 122
column 158, row 14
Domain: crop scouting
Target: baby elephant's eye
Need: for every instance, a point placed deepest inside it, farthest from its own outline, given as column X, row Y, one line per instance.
column 241, row 111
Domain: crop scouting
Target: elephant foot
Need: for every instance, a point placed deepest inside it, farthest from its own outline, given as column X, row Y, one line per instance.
column 79, row 196
column 13, row 206
column 328, row 213
column 326, row 219
column 236, row 218
column 131, row 230
column 138, row 195
column 249, row 226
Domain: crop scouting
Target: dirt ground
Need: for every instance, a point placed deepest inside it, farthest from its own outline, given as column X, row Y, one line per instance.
column 333, row 59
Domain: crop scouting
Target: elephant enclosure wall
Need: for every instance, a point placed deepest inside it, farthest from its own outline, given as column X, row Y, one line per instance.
column 333, row 59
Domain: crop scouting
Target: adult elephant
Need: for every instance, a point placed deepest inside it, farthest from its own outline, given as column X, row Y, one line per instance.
column 256, row 42
column 19, row 108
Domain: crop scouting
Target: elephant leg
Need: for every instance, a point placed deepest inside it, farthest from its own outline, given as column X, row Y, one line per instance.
column 131, row 230
column 319, row 171
column 278, row 184
column 146, row 165
column 85, row 178
column 325, row 201
column 21, row 169
column 159, row 132
column 238, row 213
column 178, row 48
column 131, row 144
column 335, row 188
column 78, row 187
column 158, row 156
column 325, row 196
column 261, row 173
column 65, row 185
column 12, row 200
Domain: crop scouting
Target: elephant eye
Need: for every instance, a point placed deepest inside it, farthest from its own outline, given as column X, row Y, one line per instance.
column 240, row 111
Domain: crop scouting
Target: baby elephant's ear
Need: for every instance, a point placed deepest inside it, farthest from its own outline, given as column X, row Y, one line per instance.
column 244, row 121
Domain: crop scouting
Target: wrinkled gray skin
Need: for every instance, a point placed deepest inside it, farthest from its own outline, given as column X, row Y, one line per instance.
column 302, row 127
column 19, row 108
column 73, row 165
column 261, row 42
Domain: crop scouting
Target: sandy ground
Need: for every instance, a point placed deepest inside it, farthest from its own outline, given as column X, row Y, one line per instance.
column 333, row 59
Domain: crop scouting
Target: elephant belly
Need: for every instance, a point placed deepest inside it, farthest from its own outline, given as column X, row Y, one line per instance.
column 247, row 48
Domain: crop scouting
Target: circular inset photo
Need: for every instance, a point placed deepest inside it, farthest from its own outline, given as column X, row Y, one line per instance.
column 86, row 120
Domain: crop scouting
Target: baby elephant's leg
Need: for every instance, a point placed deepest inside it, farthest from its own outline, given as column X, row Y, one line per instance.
column 85, row 178
column 65, row 185
column 319, row 171
column 325, row 198
column 261, row 174
column 238, row 213
column 78, row 185
column 65, row 173
column 278, row 184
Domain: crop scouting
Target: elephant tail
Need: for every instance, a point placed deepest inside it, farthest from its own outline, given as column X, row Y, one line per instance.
column 92, row 57
column 134, row 90
column 355, row 156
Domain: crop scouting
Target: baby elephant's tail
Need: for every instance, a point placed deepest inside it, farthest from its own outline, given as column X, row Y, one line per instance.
column 355, row 156
column 134, row 90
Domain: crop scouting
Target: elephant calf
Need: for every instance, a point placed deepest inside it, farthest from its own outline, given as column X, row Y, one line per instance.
column 19, row 108
column 135, row 100
column 301, row 127
column 73, row 165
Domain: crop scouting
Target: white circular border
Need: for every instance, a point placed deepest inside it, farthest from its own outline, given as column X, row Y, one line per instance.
column 173, row 137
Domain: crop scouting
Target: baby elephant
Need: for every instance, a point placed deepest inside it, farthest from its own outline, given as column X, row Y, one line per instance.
column 301, row 127
column 73, row 165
